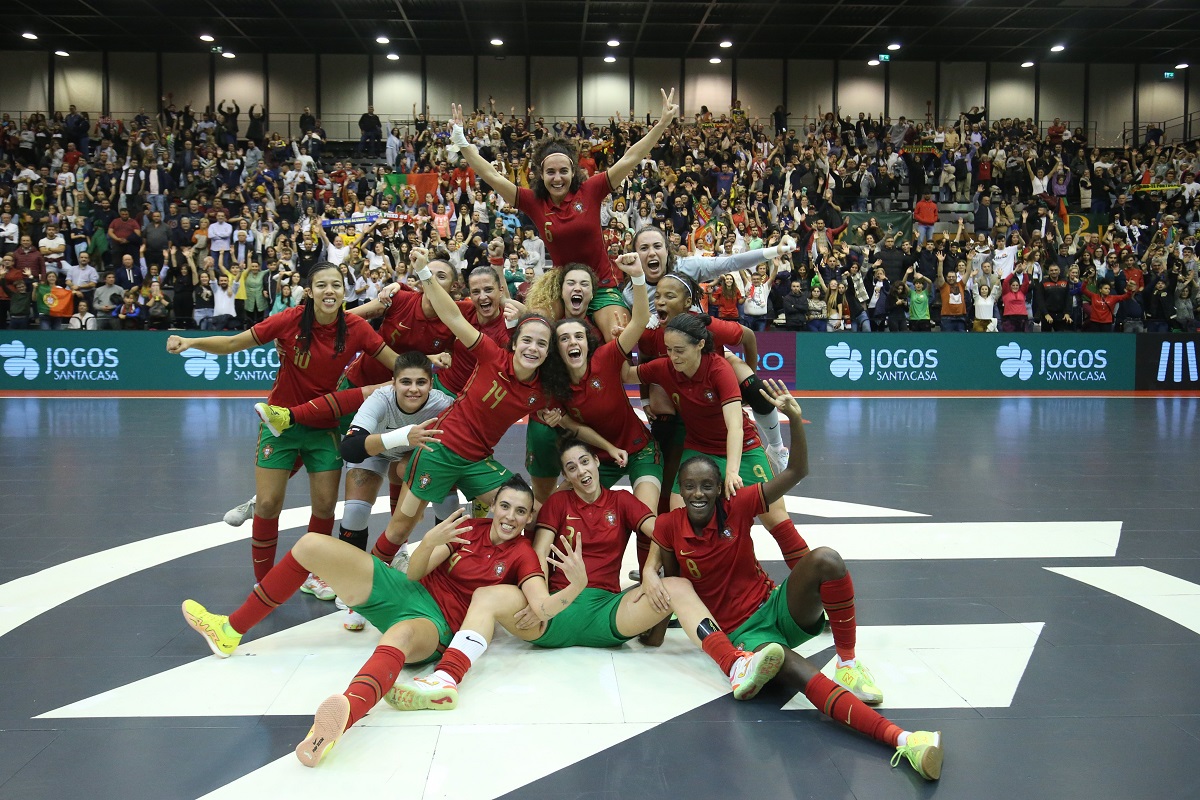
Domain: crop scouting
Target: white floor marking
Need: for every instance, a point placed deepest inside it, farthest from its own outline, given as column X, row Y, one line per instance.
column 880, row 541
column 1174, row 598
column 836, row 509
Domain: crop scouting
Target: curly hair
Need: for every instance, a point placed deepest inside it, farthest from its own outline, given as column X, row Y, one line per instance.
column 548, row 147
column 545, row 294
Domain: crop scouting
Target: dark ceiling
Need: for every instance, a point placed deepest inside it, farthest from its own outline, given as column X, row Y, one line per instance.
column 1147, row 31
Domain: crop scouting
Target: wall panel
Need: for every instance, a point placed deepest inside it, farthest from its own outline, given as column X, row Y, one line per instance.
column 398, row 88
column 78, row 80
column 650, row 77
column 605, row 89
column 860, row 88
column 503, row 79
column 910, row 89
column 760, row 86
column 1061, row 94
column 962, row 88
column 241, row 79
column 1011, row 91
column 293, row 84
column 186, row 79
column 131, row 84
column 810, row 85
column 343, row 85
column 706, row 84
column 1161, row 100
column 552, row 84
column 451, row 79
column 1110, row 103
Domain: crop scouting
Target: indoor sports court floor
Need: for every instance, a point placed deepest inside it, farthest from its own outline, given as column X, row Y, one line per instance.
column 1028, row 580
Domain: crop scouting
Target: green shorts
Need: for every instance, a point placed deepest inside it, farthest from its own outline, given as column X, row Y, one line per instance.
column 344, row 421
column 441, row 387
column 755, row 467
column 772, row 622
column 434, row 473
column 394, row 598
column 590, row 621
column 541, row 450
column 646, row 462
column 317, row 448
column 602, row 298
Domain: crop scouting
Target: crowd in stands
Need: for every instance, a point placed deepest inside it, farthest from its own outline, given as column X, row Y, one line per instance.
column 209, row 219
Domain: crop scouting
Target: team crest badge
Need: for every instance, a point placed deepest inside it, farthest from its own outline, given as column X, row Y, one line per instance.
column 267, row 451
column 424, row 480
column 498, row 569
column 437, row 343
column 578, row 206
column 709, row 396
column 610, row 518
column 596, row 384
column 726, row 534
column 532, row 399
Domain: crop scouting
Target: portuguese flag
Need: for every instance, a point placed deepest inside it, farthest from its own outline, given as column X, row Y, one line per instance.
column 409, row 189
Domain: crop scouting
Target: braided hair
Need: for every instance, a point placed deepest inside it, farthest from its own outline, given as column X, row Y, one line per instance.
column 309, row 315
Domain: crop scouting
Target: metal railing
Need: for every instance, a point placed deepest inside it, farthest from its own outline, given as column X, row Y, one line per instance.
column 1177, row 129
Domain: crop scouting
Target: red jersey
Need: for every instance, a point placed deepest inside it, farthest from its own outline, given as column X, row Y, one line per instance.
column 700, row 400
column 405, row 327
column 491, row 403
column 462, row 362
column 725, row 333
column 306, row 376
column 599, row 401
column 606, row 526
column 478, row 563
column 572, row 231
column 720, row 563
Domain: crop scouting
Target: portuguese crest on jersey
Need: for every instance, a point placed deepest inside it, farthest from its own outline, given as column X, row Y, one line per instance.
column 596, row 384
column 610, row 517
column 709, row 396
column 498, row 569
column 726, row 533
column 424, row 480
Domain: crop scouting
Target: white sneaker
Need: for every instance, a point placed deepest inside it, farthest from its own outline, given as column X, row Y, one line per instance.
column 753, row 670
column 239, row 514
column 778, row 457
column 318, row 588
column 353, row 621
column 400, row 562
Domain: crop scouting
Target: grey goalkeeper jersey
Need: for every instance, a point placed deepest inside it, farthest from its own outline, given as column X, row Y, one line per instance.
column 380, row 414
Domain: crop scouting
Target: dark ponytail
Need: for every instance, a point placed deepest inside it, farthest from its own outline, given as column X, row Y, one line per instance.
column 695, row 328
column 309, row 315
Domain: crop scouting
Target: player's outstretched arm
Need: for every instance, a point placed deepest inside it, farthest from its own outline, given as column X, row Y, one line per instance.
column 217, row 345
column 797, row 468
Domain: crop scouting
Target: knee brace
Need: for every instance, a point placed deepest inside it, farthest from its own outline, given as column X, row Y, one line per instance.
column 751, row 396
column 357, row 515
column 446, row 506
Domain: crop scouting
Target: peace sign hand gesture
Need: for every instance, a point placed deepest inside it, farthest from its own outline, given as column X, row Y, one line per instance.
column 670, row 108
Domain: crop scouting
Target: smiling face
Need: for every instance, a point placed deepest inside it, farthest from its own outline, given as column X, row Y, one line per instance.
column 557, row 170
column 531, row 345
column 485, row 294
column 700, row 487
column 510, row 514
column 412, row 387
column 327, row 292
column 577, row 292
column 651, row 248
column 582, row 470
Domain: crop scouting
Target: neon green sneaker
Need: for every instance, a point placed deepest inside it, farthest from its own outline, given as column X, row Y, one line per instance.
column 221, row 638
column 328, row 726
column 924, row 751
column 860, row 683
column 430, row 693
column 277, row 418
column 753, row 670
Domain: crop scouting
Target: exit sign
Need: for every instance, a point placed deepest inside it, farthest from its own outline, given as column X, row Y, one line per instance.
column 1170, row 76
column 885, row 57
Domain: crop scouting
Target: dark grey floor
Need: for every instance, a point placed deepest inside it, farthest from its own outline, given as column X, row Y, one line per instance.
column 1106, row 708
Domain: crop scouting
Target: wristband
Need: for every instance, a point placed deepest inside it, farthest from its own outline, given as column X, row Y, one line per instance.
column 458, row 137
column 770, row 253
column 425, row 273
column 637, row 280
column 396, row 438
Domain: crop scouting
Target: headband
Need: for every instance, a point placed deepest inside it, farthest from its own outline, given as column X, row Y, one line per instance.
column 537, row 318
column 682, row 283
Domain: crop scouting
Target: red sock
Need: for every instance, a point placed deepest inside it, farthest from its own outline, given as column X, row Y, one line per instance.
column 394, row 490
column 454, row 663
column 791, row 543
column 384, row 550
column 320, row 525
column 264, row 538
column 838, row 599
column 834, row 701
column 274, row 588
column 328, row 408
column 643, row 549
column 720, row 650
column 373, row 681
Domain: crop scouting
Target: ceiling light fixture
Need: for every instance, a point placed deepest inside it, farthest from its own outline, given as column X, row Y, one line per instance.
column 228, row 54
column 497, row 42
column 204, row 37
column 714, row 60
column 383, row 39
column 1058, row 48
column 726, row 43
column 893, row 46
column 874, row 62
column 30, row 36
column 610, row 59
column 613, row 43
column 393, row 57
column 62, row 53
column 1181, row 66
column 1026, row 64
